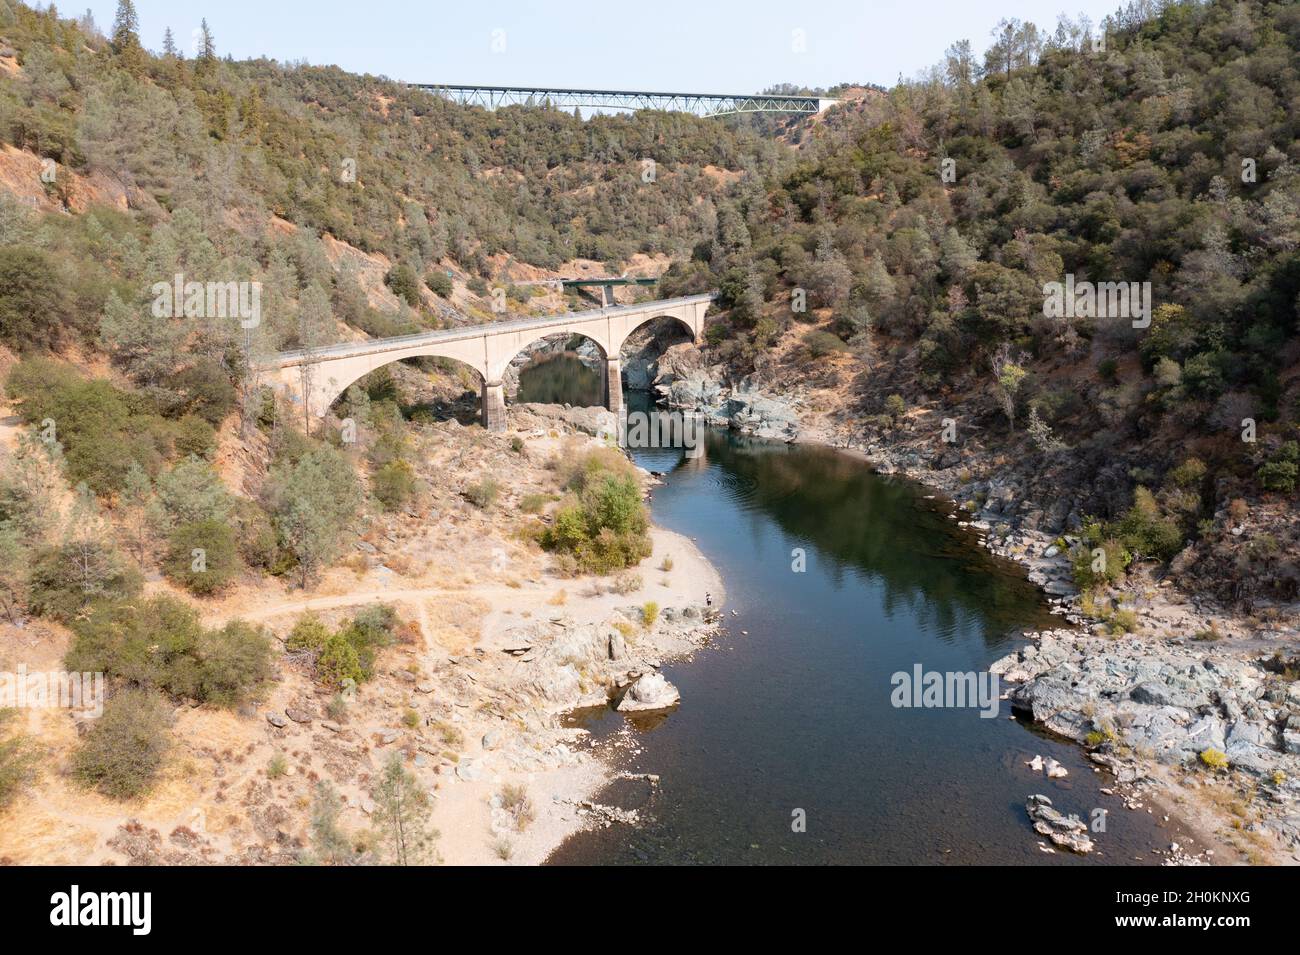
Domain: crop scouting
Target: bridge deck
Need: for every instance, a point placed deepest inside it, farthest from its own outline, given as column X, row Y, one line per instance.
column 374, row 346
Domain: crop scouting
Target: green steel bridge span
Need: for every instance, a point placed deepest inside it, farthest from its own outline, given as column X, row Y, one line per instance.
column 700, row 104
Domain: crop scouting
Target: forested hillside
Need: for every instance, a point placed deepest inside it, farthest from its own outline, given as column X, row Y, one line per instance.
column 897, row 255
column 234, row 170
column 903, row 263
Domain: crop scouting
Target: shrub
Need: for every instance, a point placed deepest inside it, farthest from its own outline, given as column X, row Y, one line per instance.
column 484, row 492
column 194, row 436
column 277, row 766
column 68, row 577
column 628, row 583
column 338, row 663
column 649, row 613
column 202, row 557
column 1281, row 471
column 1145, row 531
column 309, row 633
column 17, row 762
column 207, row 391
column 34, row 303
column 1214, row 759
column 1092, row 570
column 603, row 522
column 820, row 344
column 124, row 750
column 1188, row 474
column 160, row 643
column 370, row 630
column 349, row 653
column 403, row 283
column 1123, row 621
column 255, row 537
column 337, row 708
column 533, row 503
column 439, row 283
column 515, row 801
column 393, row 484
column 895, row 407
column 103, row 430
column 232, row 662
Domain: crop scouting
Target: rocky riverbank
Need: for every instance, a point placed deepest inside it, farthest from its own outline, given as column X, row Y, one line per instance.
column 1194, row 680
column 494, row 649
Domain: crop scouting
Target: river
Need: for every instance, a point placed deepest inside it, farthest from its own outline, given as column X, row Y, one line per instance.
column 840, row 578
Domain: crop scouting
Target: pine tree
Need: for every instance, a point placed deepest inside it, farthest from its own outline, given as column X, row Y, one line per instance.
column 126, row 37
column 207, row 46
column 126, row 27
column 141, row 513
column 169, row 45
column 402, row 809
column 329, row 842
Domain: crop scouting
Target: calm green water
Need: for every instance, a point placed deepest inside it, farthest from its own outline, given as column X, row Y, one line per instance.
column 791, row 709
column 563, row 380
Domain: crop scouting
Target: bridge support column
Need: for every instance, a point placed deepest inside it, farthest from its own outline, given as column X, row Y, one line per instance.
column 614, row 385
column 494, row 406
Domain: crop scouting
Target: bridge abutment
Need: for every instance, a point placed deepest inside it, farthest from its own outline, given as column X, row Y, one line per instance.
column 494, row 406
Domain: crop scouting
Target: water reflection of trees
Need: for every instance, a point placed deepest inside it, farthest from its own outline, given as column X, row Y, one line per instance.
column 561, row 379
column 860, row 525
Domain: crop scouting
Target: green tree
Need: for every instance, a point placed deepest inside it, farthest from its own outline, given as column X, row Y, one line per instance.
column 402, row 812
column 329, row 843
column 192, row 492
column 83, row 568
column 126, row 37
column 202, row 557
column 314, row 501
column 35, row 310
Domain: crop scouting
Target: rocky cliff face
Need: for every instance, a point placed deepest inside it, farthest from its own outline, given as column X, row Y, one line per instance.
column 645, row 348
column 684, row 381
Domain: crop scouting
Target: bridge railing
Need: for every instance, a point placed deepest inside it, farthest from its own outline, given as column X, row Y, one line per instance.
column 369, row 345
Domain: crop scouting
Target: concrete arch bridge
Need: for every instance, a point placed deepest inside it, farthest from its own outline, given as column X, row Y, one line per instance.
column 327, row 372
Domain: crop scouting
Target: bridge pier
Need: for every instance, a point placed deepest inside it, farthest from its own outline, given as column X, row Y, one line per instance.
column 614, row 384
column 494, row 406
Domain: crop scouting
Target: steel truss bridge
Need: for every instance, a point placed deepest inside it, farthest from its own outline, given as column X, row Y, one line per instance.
column 700, row 104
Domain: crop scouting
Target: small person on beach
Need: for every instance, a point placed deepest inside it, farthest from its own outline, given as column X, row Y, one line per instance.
column 708, row 600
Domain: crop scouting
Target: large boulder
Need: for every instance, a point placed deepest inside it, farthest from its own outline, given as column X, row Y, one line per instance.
column 649, row 692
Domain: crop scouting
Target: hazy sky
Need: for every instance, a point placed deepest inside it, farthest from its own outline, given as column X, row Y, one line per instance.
column 728, row 46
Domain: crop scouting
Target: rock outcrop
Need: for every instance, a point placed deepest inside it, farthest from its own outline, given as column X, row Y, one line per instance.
column 649, row 692
column 1068, row 832
column 1179, row 705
